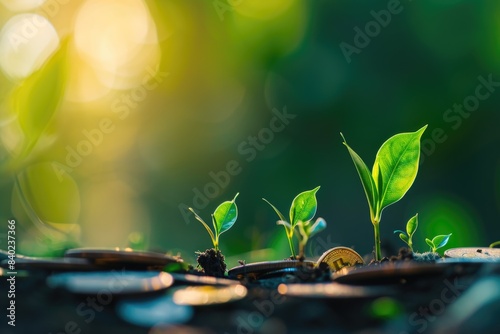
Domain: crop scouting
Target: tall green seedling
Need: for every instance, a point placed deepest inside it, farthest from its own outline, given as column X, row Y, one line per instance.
column 393, row 172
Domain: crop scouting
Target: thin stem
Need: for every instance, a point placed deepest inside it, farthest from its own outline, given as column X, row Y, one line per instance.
column 378, row 253
column 496, row 243
column 289, row 235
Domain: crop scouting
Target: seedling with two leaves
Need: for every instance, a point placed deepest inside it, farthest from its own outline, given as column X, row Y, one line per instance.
column 223, row 219
column 394, row 170
column 302, row 211
column 436, row 242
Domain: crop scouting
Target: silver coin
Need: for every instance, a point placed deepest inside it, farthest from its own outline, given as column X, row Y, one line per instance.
column 123, row 258
column 51, row 264
column 209, row 295
column 331, row 291
column 112, row 282
column 255, row 270
column 159, row 311
column 480, row 253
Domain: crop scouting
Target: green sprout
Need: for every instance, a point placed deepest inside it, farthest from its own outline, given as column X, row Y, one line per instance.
column 438, row 242
column 308, row 230
column 411, row 227
column 223, row 219
column 302, row 211
column 496, row 243
column 393, row 173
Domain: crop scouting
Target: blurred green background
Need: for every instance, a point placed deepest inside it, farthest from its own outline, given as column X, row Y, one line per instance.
column 117, row 115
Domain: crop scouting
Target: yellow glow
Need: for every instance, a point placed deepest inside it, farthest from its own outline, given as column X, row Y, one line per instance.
column 282, row 289
column 21, row 5
column 118, row 49
column 262, row 9
column 110, row 224
column 26, row 42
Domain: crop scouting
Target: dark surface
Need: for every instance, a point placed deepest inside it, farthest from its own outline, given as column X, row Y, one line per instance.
column 410, row 298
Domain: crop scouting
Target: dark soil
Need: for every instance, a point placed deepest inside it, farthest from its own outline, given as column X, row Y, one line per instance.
column 405, row 254
column 212, row 262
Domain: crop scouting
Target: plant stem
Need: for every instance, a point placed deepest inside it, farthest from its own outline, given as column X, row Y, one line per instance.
column 378, row 253
column 496, row 243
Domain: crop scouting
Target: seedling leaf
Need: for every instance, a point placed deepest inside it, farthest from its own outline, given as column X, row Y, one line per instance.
column 204, row 224
column 280, row 215
column 366, row 178
column 225, row 216
column 303, row 206
column 397, row 162
column 404, row 237
column 412, row 225
column 441, row 240
column 429, row 242
column 318, row 226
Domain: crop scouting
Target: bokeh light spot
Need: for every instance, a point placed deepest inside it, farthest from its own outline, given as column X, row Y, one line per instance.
column 26, row 42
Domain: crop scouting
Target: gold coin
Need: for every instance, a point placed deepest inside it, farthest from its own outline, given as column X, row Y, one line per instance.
column 340, row 257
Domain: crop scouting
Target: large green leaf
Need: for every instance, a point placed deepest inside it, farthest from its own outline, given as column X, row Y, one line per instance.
column 35, row 101
column 225, row 216
column 396, row 165
column 366, row 178
column 304, row 206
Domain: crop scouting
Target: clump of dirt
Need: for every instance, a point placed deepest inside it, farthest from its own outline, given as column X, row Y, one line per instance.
column 404, row 254
column 212, row 262
column 426, row 257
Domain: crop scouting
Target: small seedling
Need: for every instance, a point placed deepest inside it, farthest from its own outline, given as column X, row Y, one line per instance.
column 302, row 211
column 438, row 242
column 496, row 243
column 307, row 231
column 411, row 227
column 223, row 218
column 393, row 173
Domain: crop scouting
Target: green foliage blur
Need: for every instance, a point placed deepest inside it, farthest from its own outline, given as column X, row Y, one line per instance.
column 171, row 104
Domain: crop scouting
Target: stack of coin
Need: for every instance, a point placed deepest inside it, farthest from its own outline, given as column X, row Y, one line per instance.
column 270, row 269
column 123, row 258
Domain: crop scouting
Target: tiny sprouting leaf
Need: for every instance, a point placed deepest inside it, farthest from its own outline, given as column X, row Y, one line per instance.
column 318, row 226
column 284, row 223
column 397, row 162
column 225, row 216
column 404, row 237
column 429, row 242
column 205, row 225
column 303, row 206
column 280, row 215
column 441, row 240
column 412, row 225
column 366, row 178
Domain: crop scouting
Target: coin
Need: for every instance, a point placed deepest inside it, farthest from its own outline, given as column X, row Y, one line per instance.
column 340, row 257
column 112, row 282
column 158, row 311
column 51, row 264
column 209, row 295
column 123, row 258
column 201, row 280
column 255, row 270
column 331, row 290
column 479, row 253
